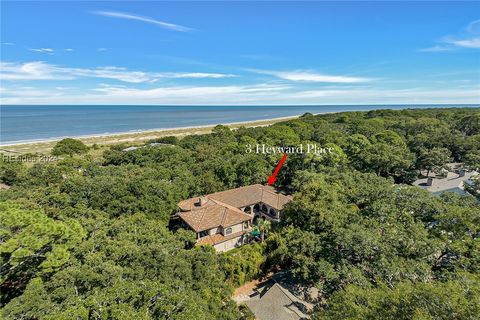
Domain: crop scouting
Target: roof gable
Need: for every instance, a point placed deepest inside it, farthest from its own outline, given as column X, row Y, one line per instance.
column 213, row 215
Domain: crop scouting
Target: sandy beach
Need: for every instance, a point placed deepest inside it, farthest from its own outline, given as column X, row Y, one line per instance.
column 44, row 146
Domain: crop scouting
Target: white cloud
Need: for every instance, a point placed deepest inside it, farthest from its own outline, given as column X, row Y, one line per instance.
column 36, row 70
column 115, row 73
column 409, row 95
column 260, row 57
column 307, row 76
column 68, row 49
column 194, row 93
column 467, row 43
column 102, row 49
column 43, row 50
column 161, row 95
column 474, row 27
column 29, row 93
column 264, row 94
column 470, row 39
column 196, row 75
column 39, row 70
column 8, row 43
column 165, row 25
column 436, row 48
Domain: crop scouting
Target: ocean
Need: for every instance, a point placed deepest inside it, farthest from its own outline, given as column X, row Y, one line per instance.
column 29, row 123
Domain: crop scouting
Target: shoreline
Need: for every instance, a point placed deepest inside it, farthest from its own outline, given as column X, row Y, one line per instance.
column 137, row 136
column 203, row 126
column 44, row 145
column 146, row 131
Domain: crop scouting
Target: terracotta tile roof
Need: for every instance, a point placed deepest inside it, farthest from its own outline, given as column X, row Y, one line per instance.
column 219, row 238
column 248, row 195
column 222, row 208
column 213, row 214
column 191, row 204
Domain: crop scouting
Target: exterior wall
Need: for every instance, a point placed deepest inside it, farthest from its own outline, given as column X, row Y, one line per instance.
column 232, row 243
column 229, row 244
column 235, row 228
column 215, row 231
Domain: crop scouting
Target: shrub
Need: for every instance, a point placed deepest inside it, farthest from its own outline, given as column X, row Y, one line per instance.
column 69, row 146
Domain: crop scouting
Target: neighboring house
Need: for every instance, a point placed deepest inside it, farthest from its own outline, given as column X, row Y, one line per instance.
column 453, row 182
column 223, row 219
column 282, row 299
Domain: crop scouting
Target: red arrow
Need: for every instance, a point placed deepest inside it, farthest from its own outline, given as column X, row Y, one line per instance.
column 273, row 177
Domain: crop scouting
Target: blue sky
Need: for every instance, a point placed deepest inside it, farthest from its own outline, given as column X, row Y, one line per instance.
column 225, row 53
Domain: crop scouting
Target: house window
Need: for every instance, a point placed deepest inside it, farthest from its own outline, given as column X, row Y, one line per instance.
column 273, row 213
column 202, row 234
column 228, row 231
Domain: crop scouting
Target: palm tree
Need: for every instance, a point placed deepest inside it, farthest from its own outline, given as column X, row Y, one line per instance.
column 263, row 226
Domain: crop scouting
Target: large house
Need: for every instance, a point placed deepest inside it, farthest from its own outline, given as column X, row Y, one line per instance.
column 223, row 219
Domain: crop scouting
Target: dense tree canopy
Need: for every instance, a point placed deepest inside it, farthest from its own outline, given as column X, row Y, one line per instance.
column 346, row 228
column 459, row 300
column 89, row 237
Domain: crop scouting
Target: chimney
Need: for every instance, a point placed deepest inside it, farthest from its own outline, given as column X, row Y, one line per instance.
column 202, row 201
column 429, row 181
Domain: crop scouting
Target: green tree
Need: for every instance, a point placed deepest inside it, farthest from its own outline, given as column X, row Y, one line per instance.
column 221, row 129
column 263, row 226
column 388, row 155
column 457, row 224
column 32, row 245
column 11, row 172
column 355, row 147
column 455, row 299
column 353, row 228
column 470, row 125
column 345, row 231
column 280, row 134
column 472, row 160
column 69, row 146
column 167, row 140
column 243, row 264
column 130, row 268
column 474, row 187
column 434, row 159
column 335, row 158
